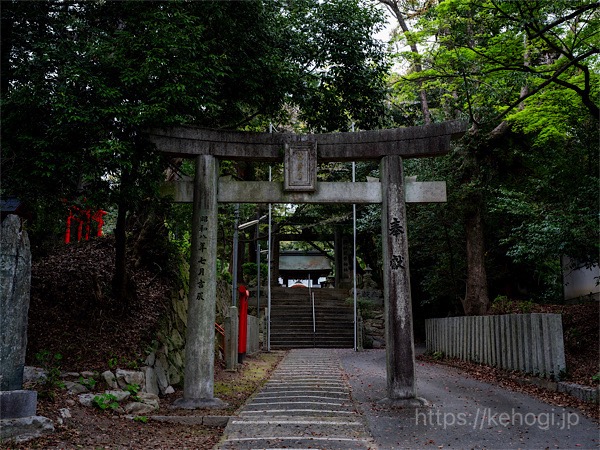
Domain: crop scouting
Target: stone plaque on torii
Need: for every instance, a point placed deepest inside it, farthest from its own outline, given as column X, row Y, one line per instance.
column 301, row 154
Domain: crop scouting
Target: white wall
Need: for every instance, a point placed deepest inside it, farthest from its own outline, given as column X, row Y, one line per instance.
column 580, row 282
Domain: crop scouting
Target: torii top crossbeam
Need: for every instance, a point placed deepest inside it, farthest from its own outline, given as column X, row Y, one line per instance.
column 410, row 142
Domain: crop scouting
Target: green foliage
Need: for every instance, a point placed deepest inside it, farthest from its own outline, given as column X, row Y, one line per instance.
column 226, row 276
column 116, row 361
column 596, row 378
column 437, row 355
column 133, row 389
column 133, row 364
column 141, row 419
column 250, row 271
column 113, row 362
column 178, row 225
column 527, row 79
column 50, row 362
column 89, row 383
column 105, row 401
column 48, row 359
column 81, row 82
column 345, row 81
column 502, row 305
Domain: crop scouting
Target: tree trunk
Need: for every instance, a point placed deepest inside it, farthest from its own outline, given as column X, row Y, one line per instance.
column 395, row 9
column 476, row 301
column 120, row 280
column 120, row 276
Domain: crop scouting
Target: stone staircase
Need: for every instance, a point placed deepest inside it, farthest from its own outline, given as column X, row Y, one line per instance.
column 292, row 319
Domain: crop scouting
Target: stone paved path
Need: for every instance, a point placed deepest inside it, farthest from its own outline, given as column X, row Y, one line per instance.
column 305, row 404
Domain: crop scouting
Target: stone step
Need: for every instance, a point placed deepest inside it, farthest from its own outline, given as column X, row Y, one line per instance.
column 301, row 305
column 301, row 308
column 317, row 293
column 325, row 291
column 310, row 338
column 281, row 334
column 308, row 310
column 347, row 343
column 308, row 307
column 309, row 320
column 345, row 318
column 308, row 327
column 286, row 320
column 308, row 313
column 329, row 317
column 291, row 331
column 292, row 318
column 311, row 346
column 334, row 312
column 308, row 301
column 320, row 328
column 312, row 341
column 289, row 340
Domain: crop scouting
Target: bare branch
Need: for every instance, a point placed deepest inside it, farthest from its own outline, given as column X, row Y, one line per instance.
column 561, row 20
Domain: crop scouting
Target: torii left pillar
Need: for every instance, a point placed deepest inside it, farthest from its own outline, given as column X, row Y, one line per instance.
column 198, row 388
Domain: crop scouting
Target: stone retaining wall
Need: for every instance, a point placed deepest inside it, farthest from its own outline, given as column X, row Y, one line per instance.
column 170, row 349
column 530, row 343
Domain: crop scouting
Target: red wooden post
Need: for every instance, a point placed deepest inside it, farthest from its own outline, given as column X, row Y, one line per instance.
column 79, row 229
column 98, row 218
column 243, row 328
column 87, row 213
column 68, row 232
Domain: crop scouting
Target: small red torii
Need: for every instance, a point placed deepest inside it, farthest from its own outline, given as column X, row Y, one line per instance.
column 83, row 216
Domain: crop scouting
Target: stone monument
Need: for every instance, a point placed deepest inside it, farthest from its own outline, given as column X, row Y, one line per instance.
column 18, row 420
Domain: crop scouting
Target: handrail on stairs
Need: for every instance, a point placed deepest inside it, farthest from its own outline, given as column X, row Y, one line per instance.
column 312, row 297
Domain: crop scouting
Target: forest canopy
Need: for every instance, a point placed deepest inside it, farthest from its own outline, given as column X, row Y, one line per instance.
column 81, row 81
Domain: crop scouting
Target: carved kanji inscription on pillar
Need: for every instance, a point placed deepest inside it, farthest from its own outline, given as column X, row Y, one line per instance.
column 300, row 166
column 202, row 261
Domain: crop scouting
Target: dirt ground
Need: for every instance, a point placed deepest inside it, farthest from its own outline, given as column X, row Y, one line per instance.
column 92, row 428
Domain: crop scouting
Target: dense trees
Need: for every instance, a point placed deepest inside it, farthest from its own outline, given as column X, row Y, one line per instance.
column 522, row 181
column 82, row 80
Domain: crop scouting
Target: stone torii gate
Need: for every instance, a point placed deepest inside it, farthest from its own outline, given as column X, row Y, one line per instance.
column 300, row 154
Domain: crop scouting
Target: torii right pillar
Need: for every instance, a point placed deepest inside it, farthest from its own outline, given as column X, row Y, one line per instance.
column 400, row 346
